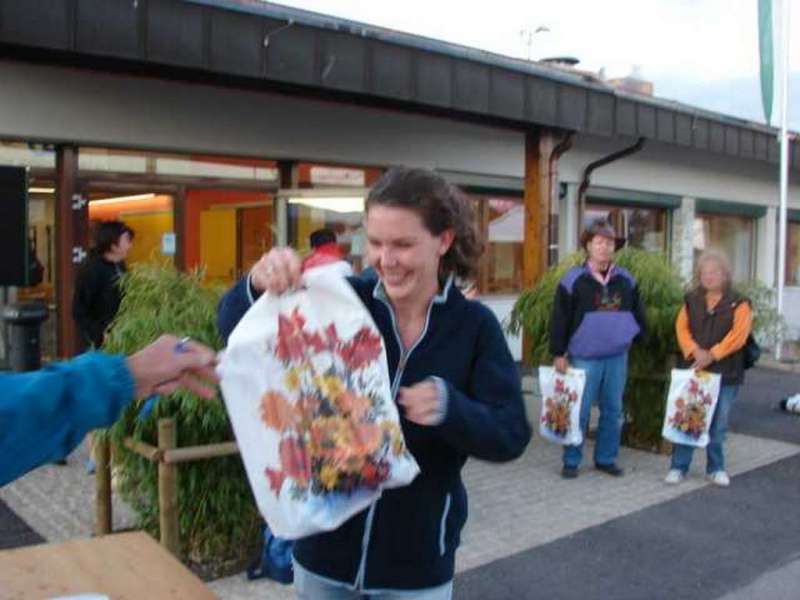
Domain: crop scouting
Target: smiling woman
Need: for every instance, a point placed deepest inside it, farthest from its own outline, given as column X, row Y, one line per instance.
column 453, row 379
column 419, row 231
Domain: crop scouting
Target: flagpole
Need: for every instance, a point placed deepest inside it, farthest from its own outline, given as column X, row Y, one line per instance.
column 784, row 164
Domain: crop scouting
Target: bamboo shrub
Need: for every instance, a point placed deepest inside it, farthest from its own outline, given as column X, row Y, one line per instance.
column 768, row 325
column 219, row 522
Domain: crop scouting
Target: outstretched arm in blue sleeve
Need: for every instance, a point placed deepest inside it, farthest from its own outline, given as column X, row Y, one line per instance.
column 45, row 414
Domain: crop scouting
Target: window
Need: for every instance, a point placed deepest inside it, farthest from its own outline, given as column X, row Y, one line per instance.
column 343, row 214
column 731, row 234
column 501, row 225
column 793, row 254
column 98, row 161
column 637, row 227
column 148, row 214
column 223, row 206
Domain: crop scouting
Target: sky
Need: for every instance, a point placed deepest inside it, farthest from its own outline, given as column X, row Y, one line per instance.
column 702, row 52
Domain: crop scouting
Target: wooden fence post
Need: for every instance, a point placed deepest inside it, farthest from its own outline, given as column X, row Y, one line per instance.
column 168, row 489
column 102, row 486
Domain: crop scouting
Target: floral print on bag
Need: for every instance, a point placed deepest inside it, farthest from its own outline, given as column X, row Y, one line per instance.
column 334, row 435
column 558, row 408
column 690, row 407
column 305, row 379
column 560, row 417
column 691, row 416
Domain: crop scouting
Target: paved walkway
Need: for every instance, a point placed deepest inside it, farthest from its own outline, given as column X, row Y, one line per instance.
column 58, row 501
column 525, row 504
column 513, row 507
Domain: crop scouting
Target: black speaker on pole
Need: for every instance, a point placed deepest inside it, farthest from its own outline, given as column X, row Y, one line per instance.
column 14, row 251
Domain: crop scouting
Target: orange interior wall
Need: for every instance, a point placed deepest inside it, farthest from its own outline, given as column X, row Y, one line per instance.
column 198, row 200
column 149, row 218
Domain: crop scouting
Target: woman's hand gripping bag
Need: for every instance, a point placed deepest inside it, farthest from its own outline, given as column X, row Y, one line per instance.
column 560, row 421
column 306, row 386
column 691, row 403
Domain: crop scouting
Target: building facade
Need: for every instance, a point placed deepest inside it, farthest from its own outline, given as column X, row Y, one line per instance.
column 215, row 158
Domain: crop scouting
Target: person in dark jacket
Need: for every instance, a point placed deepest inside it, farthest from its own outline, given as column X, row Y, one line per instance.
column 454, row 380
column 597, row 314
column 712, row 328
column 325, row 250
column 97, row 294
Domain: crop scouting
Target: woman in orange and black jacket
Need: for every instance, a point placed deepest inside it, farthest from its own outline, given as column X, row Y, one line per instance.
column 712, row 329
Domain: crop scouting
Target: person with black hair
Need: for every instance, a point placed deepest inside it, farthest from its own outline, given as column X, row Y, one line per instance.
column 97, row 294
column 325, row 250
column 35, row 266
column 322, row 237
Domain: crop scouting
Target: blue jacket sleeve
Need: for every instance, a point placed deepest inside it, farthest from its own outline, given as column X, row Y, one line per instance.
column 560, row 321
column 233, row 305
column 45, row 414
column 488, row 422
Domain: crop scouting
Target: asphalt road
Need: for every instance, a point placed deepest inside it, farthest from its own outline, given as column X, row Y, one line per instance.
column 705, row 544
column 14, row 531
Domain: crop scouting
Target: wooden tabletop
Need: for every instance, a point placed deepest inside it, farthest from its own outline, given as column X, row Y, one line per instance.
column 125, row 566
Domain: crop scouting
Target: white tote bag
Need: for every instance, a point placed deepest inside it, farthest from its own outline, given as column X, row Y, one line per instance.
column 691, row 403
column 560, row 421
column 306, row 385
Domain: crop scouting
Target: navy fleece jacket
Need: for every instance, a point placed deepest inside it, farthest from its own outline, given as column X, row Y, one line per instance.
column 407, row 539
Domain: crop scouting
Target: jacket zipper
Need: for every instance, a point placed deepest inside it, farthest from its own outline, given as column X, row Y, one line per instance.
column 443, row 525
column 398, row 376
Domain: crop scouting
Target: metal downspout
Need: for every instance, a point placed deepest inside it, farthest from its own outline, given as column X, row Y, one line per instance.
column 587, row 173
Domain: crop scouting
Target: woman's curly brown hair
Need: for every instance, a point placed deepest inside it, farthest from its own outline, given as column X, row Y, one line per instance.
column 441, row 206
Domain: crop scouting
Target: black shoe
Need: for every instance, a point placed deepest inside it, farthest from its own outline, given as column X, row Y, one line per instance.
column 569, row 472
column 611, row 469
column 60, row 462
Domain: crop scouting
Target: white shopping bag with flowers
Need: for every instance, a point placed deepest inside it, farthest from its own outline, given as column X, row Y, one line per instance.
column 560, row 421
column 306, row 385
column 691, row 403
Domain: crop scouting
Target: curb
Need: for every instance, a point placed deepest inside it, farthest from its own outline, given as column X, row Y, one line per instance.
column 767, row 362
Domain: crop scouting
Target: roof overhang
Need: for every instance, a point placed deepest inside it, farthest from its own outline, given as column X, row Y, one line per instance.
column 257, row 44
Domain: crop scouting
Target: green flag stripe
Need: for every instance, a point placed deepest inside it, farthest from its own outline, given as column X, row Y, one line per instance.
column 767, row 56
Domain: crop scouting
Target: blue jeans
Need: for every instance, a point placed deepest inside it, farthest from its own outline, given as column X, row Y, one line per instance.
column 310, row 586
column 682, row 454
column 605, row 384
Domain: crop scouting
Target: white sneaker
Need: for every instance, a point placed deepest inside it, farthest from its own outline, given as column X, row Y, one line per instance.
column 719, row 478
column 674, row 477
